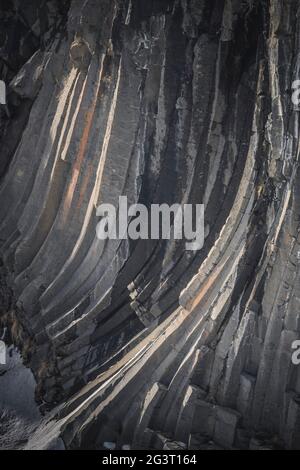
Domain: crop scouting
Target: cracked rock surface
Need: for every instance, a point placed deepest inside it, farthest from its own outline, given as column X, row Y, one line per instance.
column 142, row 343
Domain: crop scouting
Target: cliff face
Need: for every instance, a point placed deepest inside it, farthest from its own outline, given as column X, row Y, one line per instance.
column 142, row 342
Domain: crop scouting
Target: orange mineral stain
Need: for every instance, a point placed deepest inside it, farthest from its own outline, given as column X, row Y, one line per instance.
column 80, row 157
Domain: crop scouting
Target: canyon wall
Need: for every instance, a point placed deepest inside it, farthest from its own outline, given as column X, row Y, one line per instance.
column 143, row 343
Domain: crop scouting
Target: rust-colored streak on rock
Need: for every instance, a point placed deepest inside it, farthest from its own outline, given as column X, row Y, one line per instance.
column 80, row 157
column 84, row 186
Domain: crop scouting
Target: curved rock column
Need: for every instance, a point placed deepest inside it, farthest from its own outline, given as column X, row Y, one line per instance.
column 143, row 343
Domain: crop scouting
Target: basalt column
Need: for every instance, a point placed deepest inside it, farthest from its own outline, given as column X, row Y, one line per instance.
column 142, row 342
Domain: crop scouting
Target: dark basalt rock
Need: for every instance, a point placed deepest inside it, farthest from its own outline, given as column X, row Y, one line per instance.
column 80, row 53
column 141, row 343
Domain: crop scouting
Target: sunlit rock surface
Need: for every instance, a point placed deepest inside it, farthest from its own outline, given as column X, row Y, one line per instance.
column 142, row 343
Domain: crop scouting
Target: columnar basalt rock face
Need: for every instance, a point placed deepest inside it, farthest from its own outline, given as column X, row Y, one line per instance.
column 143, row 343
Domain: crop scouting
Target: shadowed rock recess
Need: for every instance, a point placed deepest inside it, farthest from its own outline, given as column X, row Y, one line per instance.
column 142, row 343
